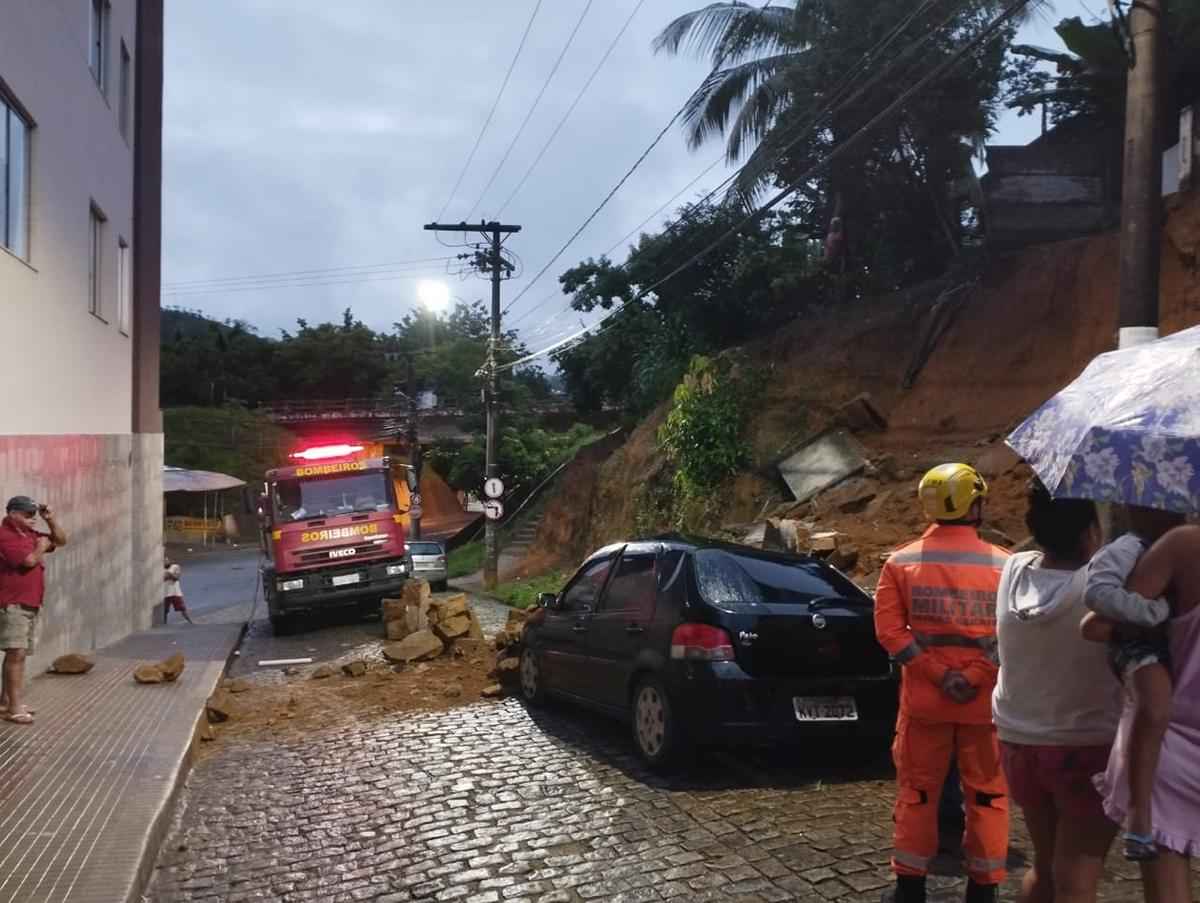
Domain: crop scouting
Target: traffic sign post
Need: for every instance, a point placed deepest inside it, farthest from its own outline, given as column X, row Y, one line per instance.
column 493, row 487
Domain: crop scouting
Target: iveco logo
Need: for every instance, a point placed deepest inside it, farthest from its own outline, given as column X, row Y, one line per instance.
column 343, row 553
column 818, row 621
column 746, row 637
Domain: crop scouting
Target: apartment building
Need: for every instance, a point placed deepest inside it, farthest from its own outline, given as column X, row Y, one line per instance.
column 80, row 224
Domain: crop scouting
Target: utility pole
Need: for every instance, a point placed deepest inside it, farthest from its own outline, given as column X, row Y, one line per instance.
column 414, row 455
column 1141, row 192
column 492, row 260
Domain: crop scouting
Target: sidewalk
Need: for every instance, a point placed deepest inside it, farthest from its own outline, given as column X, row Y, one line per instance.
column 86, row 792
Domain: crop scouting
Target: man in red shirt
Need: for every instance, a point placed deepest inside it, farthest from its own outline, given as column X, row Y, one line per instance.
column 22, row 588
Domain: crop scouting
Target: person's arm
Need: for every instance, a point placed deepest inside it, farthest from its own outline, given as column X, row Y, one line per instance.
column 1106, row 592
column 981, row 673
column 1156, row 569
column 1096, row 628
column 894, row 633
column 57, row 535
column 15, row 554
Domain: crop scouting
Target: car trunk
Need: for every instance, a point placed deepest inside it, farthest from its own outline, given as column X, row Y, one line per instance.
column 825, row 638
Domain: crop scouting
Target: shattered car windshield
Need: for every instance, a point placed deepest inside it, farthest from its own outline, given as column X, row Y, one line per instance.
column 727, row 577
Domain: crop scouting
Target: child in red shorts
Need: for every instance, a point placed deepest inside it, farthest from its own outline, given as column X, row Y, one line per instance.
column 173, row 592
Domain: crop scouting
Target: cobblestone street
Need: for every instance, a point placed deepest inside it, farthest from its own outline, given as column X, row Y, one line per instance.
column 494, row 803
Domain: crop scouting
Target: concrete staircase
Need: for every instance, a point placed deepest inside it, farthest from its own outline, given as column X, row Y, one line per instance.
column 519, row 543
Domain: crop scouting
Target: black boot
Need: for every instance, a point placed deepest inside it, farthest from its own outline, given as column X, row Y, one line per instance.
column 981, row 893
column 908, row 889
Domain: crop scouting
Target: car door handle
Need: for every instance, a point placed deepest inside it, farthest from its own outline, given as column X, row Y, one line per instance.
column 633, row 629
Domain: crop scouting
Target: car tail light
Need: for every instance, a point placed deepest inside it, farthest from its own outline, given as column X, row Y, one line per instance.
column 701, row 642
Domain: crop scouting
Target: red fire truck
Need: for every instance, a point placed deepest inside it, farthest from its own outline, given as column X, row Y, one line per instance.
column 333, row 534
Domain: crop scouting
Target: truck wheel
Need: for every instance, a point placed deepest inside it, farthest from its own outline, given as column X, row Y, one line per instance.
column 655, row 734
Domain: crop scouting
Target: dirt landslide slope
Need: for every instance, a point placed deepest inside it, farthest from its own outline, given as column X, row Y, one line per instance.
column 1019, row 333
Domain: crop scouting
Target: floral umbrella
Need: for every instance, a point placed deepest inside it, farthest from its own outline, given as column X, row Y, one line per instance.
column 1126, row 430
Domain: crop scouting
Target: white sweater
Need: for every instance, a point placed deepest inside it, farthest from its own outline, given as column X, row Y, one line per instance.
column 1055, row 688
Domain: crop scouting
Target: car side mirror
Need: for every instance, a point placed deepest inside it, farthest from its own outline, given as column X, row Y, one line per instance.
column 547, row 600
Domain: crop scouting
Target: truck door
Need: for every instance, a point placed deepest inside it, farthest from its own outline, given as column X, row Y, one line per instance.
column 620, row 627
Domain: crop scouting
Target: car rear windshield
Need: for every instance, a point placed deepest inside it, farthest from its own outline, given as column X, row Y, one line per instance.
column 725, row 577
column 424, row 548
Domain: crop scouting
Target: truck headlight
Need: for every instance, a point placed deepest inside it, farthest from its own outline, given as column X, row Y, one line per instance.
column 286, row 586
column 396, row 570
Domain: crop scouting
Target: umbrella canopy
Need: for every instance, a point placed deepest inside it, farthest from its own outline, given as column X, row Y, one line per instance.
column 176, row 479
column 1127, row 430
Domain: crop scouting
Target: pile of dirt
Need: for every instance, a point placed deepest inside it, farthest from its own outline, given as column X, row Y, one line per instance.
column 995, row 346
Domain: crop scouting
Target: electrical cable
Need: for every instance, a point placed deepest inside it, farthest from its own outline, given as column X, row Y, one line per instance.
column 571, row 109
column 988, row 34
column 294, row 274
column 529, row 115
column 491, row 113
column 221, row 290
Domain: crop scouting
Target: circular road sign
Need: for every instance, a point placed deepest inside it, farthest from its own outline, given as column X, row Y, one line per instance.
column 493, row 487
column 493, row 510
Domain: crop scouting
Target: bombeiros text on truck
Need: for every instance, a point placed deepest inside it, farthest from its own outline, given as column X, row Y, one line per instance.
column 333, row 532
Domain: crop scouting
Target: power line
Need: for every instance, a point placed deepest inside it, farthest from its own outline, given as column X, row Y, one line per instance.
column 571, row 109
column 532, row 109
column 367, row 277
column 988, row 34
column 835, row 98
column 491, row 113
column 293, row 274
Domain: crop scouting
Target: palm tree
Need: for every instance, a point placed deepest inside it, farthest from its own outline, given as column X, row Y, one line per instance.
column 777, row 68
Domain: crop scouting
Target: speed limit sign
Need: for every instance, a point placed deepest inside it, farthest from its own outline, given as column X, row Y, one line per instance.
column 493, row 487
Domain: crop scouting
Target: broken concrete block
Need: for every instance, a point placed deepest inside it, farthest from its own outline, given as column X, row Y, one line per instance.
column 148, row 674
column 172, row 667
column 442, row 608
column 355, row 668
column 414, row 648
column 475, row 632
column 217, row 709
column 396, row 629
column 72, row 664
column 495, row 691
column 452, row 628
column 392, row 610
column 825, row 542
column 822, row 462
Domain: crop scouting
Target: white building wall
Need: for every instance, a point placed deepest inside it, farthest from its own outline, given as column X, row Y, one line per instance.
column 72, row 371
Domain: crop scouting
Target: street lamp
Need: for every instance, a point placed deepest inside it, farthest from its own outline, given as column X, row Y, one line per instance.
column 434, row 295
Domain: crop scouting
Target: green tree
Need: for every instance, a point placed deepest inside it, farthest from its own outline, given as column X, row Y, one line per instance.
column 776, row 67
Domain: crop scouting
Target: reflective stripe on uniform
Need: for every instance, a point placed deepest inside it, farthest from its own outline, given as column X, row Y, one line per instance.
column 984, row 866
column 911, row 860
column 947, row 556
column 907, row 654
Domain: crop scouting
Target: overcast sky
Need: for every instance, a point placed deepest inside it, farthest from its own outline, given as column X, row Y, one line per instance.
column 312, row 136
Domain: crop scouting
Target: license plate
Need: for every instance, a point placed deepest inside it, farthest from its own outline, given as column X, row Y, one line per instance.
column 346, row 579
column 825, row 708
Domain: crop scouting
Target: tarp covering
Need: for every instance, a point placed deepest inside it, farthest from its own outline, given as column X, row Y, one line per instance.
column 177, row 479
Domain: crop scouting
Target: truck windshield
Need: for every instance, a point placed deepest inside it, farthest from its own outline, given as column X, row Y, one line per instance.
column 329, row 496
column 727, row 577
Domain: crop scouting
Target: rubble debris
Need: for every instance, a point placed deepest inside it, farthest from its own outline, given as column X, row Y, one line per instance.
column 206, row 733
column 860, row 415
column 72, row 663
column 495, row 691
column 415, row 647
column 356, row 668
column 217, row 710
column 239, row 685
column 323, row 672
column 821, row 544
column 166, row 671
column 844, row 558
column 822, row 462
column 996, row 461
column 851, row 496
column 452, row 690
column 452, row 628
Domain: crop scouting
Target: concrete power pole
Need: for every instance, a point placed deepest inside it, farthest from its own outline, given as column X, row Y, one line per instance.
column 493, row 261
column 1141, row 198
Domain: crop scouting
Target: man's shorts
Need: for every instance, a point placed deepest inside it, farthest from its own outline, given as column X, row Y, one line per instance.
column 174, row 603
column 1058, row 776
column 18, row 628
column 1127, row 655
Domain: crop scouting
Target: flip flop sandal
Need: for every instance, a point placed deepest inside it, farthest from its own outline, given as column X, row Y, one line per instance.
column 4, row 710
column 1139, row 847
column 19, row 718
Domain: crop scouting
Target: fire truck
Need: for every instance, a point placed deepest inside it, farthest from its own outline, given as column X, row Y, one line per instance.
column 332, row 532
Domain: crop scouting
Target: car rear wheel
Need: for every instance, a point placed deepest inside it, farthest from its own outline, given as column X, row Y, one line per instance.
column 654, row 730
column 532, row 687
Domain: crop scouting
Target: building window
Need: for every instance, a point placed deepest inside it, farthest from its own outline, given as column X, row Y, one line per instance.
column 98, row 42
column 14, row 180
column 96, row 263
column 126, row 87
column 124, row 286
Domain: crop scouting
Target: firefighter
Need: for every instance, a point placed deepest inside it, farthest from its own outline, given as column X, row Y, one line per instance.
column 935, row 613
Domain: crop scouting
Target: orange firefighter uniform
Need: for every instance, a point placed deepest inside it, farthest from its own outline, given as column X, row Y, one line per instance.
column 935, row 612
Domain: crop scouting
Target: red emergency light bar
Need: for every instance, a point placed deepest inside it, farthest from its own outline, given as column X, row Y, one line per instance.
column 324, row 452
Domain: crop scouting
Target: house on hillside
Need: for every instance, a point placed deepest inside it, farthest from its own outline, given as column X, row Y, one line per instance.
column 80, row 222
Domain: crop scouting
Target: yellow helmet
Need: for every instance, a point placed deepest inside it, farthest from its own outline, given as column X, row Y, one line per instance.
column 949, row 490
